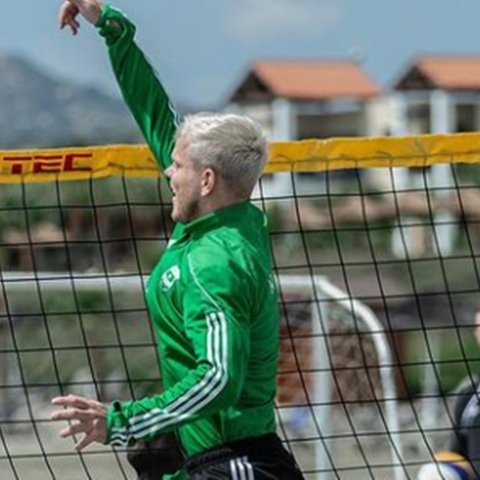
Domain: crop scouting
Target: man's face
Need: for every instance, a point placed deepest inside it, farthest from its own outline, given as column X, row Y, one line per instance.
column 185, row 181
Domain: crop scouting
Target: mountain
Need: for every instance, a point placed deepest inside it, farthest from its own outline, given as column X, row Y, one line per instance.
column 38, row 110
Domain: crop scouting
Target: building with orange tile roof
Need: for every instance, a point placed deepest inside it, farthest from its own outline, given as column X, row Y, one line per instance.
column 437, row 94
column 298, row 99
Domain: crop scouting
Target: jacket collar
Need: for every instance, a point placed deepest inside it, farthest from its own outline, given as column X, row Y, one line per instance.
column 220, row 217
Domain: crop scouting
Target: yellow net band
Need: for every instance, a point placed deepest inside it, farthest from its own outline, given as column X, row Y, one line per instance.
column 303, row 156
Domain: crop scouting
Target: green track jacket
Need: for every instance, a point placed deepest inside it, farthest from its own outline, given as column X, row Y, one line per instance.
column 211, row 297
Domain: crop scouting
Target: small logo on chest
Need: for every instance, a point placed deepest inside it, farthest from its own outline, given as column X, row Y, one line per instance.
column 169, row 278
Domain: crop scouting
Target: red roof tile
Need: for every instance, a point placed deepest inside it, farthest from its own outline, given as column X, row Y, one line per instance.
column 315, row 80
column 450, row 72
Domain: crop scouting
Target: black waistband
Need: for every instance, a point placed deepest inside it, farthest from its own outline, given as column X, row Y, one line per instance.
column 240, row 448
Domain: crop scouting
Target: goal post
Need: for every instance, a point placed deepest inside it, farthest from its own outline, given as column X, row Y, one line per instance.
column 323, row 294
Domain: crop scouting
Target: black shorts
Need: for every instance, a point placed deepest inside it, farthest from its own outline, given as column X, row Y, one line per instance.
column 156, row 458
column 259, row 458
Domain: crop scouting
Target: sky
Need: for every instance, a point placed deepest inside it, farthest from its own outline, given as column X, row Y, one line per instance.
column 202, row 48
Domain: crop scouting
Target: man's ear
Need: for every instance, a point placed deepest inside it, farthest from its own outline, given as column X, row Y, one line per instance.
column 209, row 181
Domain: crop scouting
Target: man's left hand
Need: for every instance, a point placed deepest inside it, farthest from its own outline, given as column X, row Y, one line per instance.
column 88, row 417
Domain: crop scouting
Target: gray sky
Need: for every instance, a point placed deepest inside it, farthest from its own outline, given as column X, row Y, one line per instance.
column 201, row 48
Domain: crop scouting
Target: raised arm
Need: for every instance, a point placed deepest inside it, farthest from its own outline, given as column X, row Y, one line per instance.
column 138, row 82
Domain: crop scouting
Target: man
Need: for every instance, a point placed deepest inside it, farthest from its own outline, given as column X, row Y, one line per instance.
column 465, row 439
column 464, row 448
column 211, row 297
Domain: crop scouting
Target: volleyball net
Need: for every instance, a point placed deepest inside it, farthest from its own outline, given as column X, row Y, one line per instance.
column 375, row 244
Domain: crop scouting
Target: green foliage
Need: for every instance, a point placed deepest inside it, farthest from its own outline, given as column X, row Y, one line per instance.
column 467, row 174
column 55, row 336
column 455, row 354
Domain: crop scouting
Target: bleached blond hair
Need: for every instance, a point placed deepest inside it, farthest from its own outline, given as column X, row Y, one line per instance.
column 233, row 145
